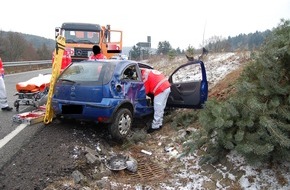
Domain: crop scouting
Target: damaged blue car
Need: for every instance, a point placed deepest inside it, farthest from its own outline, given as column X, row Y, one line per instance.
column 112, row 92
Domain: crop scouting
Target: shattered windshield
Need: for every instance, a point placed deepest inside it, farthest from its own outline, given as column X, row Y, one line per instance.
column 88, row 71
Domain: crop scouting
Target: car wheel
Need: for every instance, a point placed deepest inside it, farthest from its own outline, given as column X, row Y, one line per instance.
column 121, row 125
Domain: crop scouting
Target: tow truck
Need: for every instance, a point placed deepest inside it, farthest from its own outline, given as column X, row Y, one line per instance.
column 81, row 37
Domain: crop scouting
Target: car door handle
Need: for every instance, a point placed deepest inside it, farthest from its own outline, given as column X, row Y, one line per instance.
column 178, row 86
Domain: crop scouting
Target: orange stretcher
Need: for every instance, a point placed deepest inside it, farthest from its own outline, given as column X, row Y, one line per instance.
column 35, row 84
column 33, row 91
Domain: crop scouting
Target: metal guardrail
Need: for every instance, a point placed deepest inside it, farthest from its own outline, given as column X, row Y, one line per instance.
column 22, row 63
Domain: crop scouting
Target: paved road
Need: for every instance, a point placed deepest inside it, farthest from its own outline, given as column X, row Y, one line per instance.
column 12, row 135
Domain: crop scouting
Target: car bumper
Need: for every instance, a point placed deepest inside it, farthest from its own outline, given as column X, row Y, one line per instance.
column 83, row 110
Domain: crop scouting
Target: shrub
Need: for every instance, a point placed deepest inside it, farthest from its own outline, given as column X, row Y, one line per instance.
column 256, row 120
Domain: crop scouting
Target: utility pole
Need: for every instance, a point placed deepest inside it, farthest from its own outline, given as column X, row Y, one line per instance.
column 203, row 33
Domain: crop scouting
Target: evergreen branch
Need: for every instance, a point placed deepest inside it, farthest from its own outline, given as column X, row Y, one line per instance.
column 270, row 124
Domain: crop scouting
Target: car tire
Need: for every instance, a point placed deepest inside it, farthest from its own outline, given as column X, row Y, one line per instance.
column 121, row 126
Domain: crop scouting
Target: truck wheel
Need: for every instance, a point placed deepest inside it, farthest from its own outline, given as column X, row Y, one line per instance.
column 121, row 125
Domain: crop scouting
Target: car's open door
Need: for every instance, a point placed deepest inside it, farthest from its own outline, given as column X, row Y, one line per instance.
column 189, row 86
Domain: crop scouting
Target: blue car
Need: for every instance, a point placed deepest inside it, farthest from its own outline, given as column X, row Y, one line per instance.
column 112, row 92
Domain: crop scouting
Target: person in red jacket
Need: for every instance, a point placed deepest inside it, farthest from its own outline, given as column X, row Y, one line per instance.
column 156, row 84
column 97, row 53
column 3, row 96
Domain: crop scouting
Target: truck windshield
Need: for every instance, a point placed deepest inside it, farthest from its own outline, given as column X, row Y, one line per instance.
column 86, row 37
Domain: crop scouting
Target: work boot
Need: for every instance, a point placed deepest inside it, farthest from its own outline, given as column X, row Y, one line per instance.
column 148, row 124
column 7, row 108
column 151, row 130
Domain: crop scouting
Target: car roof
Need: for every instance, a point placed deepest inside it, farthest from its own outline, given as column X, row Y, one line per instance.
column 120, row 64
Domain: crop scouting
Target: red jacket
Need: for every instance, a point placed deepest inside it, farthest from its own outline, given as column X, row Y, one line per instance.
column 66, row 59
column 98, row 56
column 1, row 68
column 155, row 82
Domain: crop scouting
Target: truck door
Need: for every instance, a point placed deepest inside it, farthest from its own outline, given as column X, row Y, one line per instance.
column 189, row 86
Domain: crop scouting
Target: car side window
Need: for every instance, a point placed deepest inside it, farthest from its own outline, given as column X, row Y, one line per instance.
column 189, row 73
column 130, row 73
column 109, row 71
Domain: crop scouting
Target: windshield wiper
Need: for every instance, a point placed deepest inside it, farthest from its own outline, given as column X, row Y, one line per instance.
column 85, row 41
column 67, row 80
column 70, row 41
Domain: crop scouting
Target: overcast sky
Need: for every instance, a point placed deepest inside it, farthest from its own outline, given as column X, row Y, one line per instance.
column 180, row 22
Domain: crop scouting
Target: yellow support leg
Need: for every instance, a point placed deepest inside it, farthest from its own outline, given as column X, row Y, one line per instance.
column 56, row 66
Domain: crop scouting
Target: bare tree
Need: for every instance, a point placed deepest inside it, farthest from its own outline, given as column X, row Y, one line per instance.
column 216, row 44
column 14, row 46
column 30, row 53
column 44, row 53
column 2, row 39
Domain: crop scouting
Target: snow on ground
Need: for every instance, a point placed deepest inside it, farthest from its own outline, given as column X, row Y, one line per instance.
column 219, row 65
column 225, row 177
column 261, row 176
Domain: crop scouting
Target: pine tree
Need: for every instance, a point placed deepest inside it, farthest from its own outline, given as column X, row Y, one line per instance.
column 256, row 120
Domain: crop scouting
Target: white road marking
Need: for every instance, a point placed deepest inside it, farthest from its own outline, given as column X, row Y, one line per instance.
column 10, row 136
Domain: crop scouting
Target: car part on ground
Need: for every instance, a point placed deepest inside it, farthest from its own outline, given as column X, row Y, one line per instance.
column 116, row 162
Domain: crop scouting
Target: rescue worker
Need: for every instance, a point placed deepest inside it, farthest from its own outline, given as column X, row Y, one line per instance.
column 156, row 84
column 97, row 53
column 3, row 96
